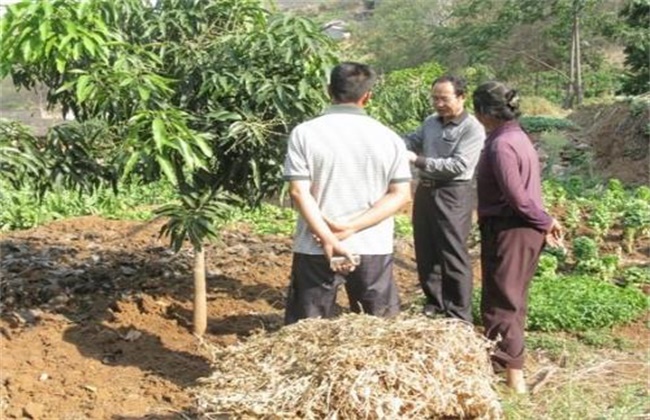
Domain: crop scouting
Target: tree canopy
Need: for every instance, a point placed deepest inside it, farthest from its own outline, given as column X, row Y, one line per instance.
column 636, row 35
column 201, row 93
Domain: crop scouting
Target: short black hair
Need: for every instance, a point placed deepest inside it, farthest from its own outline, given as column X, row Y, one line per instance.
column 496, row 100
column 459, row 84
column 349, row 81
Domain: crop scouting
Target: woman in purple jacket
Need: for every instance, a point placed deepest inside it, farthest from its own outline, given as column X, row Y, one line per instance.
column 514, row 226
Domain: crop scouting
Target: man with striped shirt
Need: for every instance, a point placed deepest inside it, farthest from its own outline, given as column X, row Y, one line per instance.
column 348, row 175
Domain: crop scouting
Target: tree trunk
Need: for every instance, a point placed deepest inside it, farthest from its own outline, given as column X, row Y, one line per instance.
column 578, row 84
column 200, row 299
column 570, row 92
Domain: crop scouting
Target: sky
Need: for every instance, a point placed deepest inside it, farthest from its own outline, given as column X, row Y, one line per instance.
column 4, row 4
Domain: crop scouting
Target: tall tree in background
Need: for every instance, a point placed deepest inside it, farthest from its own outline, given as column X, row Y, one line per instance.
column 574, row 87
column 399, row 33
column 636, row 35
column 528, row 42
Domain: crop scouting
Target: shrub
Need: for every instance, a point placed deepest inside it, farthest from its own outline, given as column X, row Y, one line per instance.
column 539, row 106
column 584, row 248
column 634, row 275
column 636, row 222
column 578, row 303
column 403, row 226
column 401, row 98
column 548, row 265
column 539, row 123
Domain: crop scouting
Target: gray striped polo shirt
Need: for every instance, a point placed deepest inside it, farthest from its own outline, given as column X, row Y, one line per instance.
column 350, row 159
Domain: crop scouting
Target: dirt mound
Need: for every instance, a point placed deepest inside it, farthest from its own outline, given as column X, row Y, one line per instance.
column 619, row 135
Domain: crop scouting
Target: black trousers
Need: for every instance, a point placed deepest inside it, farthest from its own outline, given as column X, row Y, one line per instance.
column 313, row 288
column 442, row 219
column 510, row 251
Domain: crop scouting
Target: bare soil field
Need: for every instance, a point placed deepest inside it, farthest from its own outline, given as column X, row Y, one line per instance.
column 95, row 314
column 96, row 317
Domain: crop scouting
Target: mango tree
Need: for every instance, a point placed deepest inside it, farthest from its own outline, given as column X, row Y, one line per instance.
column 200, row 93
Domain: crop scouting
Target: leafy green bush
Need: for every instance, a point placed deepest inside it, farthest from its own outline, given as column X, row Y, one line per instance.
column 601, row 218
column 642, row 193
column 548, row 265
column 539, row 123
column 401, row 98
column 536, row 105
column 584, row 248
column 634, row 275
column 602, row 268
column 573, row 217
column 636, row 221
column 578, row 303
column 22, row 209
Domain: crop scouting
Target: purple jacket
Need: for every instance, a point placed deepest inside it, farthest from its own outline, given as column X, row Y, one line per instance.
column 509, row 180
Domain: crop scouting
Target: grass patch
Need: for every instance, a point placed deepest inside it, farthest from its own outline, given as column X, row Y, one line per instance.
column 553, row 346
column 537, row 105
column 267, row 219
column 270, row 219
column 578, row 303
column 577, row 401
column 540, row 124
column 22, row 210
column 584, row 382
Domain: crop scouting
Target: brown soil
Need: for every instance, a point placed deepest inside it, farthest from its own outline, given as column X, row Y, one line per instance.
column 619, row 138
column 96, row 316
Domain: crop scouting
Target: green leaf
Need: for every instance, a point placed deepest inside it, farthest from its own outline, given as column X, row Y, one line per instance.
column 83, row 88
column 60, row 64
column 159, row 133
column 89, row 46
column 27, row 51
column 168, row 169
column 203, row 145
column 130, row 163
column 144, row 93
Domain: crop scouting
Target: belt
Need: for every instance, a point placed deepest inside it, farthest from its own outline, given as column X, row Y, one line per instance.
column 431, row 183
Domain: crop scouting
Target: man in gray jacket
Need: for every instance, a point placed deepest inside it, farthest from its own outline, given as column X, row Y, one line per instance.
column 445, row 149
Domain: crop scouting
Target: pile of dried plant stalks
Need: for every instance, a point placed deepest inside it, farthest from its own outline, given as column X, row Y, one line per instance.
column 355, row 367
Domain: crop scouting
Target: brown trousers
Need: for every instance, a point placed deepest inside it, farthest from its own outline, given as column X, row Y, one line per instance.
column 510, row 252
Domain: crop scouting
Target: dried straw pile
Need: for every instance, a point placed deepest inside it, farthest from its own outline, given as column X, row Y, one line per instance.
column 355, row 367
